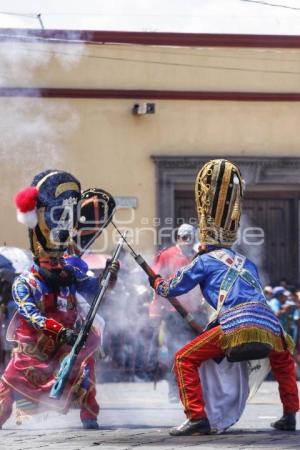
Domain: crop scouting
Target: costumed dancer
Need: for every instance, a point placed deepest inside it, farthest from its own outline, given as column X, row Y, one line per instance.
column 47, row 318
column 245, row 328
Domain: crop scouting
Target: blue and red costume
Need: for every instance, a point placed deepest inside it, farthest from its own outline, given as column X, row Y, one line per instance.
column 230, row 284
column 42, row 314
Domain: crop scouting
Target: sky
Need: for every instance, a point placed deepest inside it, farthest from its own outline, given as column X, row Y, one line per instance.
column 188, row 16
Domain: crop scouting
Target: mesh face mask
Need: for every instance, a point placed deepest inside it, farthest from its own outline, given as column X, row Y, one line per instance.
column 218, row 193
column 58, row 196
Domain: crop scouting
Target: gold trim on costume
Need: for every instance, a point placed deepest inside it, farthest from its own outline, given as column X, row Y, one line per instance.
column 223, row 193
column 178, row 363
column 255, row 334
column 42, row 181
column 63, row 187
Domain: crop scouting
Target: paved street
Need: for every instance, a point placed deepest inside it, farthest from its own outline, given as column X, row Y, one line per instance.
column 134, row 415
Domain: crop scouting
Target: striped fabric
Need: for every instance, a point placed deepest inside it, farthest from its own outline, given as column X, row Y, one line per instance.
column 249, row 315
column 253, row 322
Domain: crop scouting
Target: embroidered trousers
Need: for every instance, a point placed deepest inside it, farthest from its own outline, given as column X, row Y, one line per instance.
column 89, row 408
column 206, row 346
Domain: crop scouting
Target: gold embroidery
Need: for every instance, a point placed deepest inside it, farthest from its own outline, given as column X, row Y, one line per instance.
column 41, row 349
column 217, row 193
column 223, row 193
column 63, row 187
column 35, row 377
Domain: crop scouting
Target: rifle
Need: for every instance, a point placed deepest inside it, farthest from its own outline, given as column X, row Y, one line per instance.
column 68, row 362
column 188, row 317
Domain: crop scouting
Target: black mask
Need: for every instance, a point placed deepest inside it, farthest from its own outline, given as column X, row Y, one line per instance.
column 57, row 278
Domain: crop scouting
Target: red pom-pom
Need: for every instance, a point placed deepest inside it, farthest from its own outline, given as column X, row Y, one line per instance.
column 26, row 199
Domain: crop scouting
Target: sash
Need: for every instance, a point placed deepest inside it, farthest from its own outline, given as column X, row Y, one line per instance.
column 235, row 270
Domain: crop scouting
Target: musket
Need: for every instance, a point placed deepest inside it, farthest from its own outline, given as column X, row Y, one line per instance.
column 68, row 362
column 187, row 316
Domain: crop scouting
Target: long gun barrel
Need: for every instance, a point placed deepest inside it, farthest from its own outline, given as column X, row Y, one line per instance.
column 68, row 362
column 174, row 301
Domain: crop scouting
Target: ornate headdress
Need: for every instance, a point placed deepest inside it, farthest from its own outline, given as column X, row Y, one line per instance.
column 49, row 208
column 218, row 192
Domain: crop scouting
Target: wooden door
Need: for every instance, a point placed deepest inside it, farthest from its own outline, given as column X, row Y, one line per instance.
column 276, row 214
column 185, row 209
column 278, row 255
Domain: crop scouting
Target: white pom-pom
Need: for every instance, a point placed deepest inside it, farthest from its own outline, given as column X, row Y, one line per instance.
column 27, row 218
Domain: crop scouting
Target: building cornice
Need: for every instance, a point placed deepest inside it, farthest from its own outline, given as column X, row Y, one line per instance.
column 152, row 38
column 256, row 170
column 136, row 94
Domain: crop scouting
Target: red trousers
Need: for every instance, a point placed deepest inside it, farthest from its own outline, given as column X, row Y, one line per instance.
column 206, row 346
column 89, row 408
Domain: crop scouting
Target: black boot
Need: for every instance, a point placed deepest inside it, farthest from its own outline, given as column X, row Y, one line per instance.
column 192, row 428
column 286, row 423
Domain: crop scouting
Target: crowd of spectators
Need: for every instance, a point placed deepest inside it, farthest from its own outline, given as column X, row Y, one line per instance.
column 6, row 312
column 284, row 300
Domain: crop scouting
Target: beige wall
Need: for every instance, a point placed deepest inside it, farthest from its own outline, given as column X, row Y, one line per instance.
column 150, row 67
column 102, row 143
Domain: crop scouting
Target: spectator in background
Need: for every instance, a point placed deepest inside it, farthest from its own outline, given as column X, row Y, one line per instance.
column 286, row 305
column 268, row 291
column 296, row 296
column 7, row 309
column 285, row 309
column 283, row 283
column 294, row 316
column 294, row 292
column 176, row 331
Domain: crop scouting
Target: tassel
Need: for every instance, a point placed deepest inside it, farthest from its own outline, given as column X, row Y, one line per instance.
column 235, row 211
column 236, row 207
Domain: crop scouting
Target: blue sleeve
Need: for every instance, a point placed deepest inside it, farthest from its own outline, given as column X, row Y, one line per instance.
column 76, row 261
column 185, row 279
column 26, row 305
column 86, row 285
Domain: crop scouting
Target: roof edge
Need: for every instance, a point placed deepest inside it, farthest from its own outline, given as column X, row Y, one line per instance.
column 152, row 38
column 141, row 95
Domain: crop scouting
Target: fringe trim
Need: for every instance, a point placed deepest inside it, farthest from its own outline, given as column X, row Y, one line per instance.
column 254, row 334
column 290, row 344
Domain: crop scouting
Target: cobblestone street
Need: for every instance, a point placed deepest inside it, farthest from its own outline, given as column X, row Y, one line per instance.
column 134, row 415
